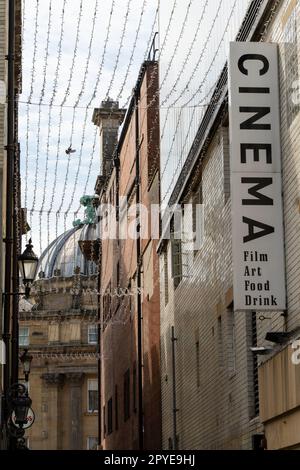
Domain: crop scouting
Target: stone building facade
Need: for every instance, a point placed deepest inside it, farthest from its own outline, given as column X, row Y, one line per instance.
column 225, row 396
column 130, row 375
column 61, row 333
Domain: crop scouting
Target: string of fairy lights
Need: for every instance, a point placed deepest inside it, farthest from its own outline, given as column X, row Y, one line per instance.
column 193, row 95
column 54, row 92
column 121, row 45
column 64, row 219
column 60, row 149
column 79, row 96
column 32, row 75
column 130, row 63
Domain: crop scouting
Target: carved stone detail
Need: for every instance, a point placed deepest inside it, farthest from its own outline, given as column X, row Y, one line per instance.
column 75, row 378
column 53, row 378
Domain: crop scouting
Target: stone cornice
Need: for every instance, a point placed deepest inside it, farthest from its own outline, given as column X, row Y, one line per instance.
column 75, row 378
column 56, row 315
column 53, row 378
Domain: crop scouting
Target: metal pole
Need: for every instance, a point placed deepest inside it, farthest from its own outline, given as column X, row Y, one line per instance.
column 175, row 410
column 9, row 194
column 138, row 259
column 15, row 303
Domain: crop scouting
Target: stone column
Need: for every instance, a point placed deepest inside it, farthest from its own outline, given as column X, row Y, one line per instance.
column 54, row 383
column 75, row 380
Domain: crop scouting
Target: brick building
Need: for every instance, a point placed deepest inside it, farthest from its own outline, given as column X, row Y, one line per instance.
column 130, row 376
column 226, row 397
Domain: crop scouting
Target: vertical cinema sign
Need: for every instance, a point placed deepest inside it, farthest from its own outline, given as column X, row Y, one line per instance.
column 257, row 216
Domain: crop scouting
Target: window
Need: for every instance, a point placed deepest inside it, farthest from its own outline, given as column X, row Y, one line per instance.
column 74, row 332
column 107, row 306
column 226, row 162
column 93, row 334
column 24, row 336
column 166, row 277
column 116, row 408
column 92, row 443
column 176, row 248
column 127, row 395
column 176, row 262
column 197, row 218
column 110, row 416
column 92, row 395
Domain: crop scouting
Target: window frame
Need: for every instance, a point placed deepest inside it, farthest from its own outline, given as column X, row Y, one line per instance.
column 24, row 336
column 95, row 327
column 197, row 217
column 166, row 275
column 89, row 409
column 88, row 442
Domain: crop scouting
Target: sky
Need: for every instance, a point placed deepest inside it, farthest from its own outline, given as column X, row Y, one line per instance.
column 72, row 62
column 92, row 49
column 191, row 61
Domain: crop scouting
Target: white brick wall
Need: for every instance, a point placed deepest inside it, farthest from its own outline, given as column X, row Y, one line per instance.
column 216, row 414
column 219, row 413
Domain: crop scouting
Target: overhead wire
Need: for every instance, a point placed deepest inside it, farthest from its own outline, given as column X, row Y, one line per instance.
column 114, row 72
column 175, row 173
column 79, row 96
column 32, row 80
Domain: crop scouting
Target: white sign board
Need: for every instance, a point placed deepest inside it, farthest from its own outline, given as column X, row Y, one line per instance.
column 257, row 214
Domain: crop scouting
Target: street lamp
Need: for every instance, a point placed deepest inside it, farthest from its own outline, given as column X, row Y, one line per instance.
column 21, row 416
column 28, row 262
column 26, row 362
column 21, row 404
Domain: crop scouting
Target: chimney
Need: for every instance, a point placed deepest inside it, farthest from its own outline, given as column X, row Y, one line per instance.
column 108, row 118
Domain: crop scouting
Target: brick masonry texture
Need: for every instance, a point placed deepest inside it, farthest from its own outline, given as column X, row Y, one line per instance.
column 119, row 336
column 215, row 393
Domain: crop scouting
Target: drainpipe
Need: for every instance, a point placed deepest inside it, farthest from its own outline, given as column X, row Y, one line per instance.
column 175, row 410
column 99, row 350
column 15, row 288
column 10, row 148
column 139, row 300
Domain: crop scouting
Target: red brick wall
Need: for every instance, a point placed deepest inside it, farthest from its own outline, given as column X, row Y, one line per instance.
column 119, row 338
